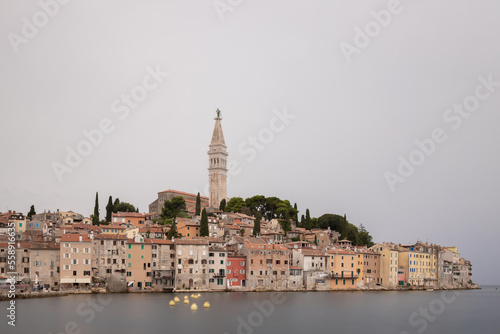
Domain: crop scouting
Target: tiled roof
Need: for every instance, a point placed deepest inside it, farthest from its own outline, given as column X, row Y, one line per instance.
column 75, row 238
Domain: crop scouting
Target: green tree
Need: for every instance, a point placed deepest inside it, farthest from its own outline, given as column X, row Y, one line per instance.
column 308, row 224
column 365, row 239
column 256, row 203
column 95, row 216
column 172, row 233
column 198, row 205
column 242, row 232
column 123, row 207
column 32, row 212
column 335, row 222
column 235, row 204
column 256, row 224
column 109, row 210
column 222, row 206
column 173, row 208
column 302, row 221
column 204, row 223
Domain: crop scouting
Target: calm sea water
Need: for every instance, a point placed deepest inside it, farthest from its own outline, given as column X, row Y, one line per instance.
column 474, row 311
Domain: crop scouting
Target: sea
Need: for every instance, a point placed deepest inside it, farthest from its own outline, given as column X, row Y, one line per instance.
column 387, row 312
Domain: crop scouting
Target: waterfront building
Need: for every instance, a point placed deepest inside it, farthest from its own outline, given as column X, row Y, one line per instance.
column 139, row 258
column 191, row 264
column 267, row 266
column 45, row 264
column 236, row 272
column 163, row 257
column 388, row 264
column 75, row 258
column 109, row 261
column 217, row 268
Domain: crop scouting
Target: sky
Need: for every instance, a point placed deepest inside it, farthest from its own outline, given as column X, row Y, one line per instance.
column 386, row 111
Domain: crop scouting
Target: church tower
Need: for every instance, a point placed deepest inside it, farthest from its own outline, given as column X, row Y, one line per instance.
column 217, row 165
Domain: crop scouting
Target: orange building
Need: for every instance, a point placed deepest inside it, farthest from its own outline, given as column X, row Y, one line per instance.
column 134, row 218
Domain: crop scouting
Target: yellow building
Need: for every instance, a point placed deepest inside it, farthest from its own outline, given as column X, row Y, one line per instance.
column 388, row 264
column 420, row 264
column 113, row 229
column 345, row 268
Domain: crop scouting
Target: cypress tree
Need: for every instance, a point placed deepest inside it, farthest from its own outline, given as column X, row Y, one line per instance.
column 308, row 220
column 256, row 225
column 222, row 206
column 204, row 223
column 95, row 217
column 32, row 212
column 198, row 205
column 109, row 210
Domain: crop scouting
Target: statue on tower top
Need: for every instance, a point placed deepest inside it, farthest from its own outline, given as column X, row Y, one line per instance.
column 218, row 113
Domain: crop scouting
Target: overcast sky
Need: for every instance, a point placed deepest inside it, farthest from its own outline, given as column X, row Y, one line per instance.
column 315, row 110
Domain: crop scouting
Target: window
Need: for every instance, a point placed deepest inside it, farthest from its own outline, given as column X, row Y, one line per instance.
column 130, row 256
column 74, row 261
column 211, row 280
column 221, row 261
column 66, row 255
column 74, row 272
column 228, row 271
column 242, row 263
column 228, row 263
column 210, row 271
column 129, row 246
column 179, row 261
column 275, row 272
column 130, row 264
column 211, row 254
column 86, row 250
column 67, row 267
column 86, row 261
column 129, row 274
column 242, row 271
column 86, row 273
column 74, row 250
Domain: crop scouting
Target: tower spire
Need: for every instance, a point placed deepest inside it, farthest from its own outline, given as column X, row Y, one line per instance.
column 217, row 165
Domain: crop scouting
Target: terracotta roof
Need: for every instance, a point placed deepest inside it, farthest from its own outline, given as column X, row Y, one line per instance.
column 162, row 241
column 293, row 267
column 110, row 236
column 116, row 227
column 191, row 241
column 311, row 252
column 266, row 246
column 75, row 238
column 181, row 192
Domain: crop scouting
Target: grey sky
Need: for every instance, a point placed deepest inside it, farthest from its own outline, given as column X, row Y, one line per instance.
column 352, row 119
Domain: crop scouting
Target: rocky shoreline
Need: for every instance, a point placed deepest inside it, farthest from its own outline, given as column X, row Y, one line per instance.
column 30, row 295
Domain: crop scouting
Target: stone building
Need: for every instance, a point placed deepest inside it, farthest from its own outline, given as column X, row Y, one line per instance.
column 268, row 266
column 167, row 195
column 45, row 264
column 313, row 263
column 109, row 261
column 163, row 257
column 191, row 264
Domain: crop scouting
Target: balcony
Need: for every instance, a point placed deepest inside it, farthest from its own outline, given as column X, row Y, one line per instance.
column 219, row 275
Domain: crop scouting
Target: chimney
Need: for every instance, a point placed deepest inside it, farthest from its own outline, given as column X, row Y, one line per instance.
column 80, row 238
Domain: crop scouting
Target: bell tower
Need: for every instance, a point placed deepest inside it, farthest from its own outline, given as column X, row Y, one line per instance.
column 217, row 165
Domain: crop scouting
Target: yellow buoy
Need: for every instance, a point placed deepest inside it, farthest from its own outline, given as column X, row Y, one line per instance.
column 185, row 297
column 172, row 303
column 206, row 305
column 194, row 307
column 192, row 295
column 199, row 295
column 176, row 299
column 186, row 301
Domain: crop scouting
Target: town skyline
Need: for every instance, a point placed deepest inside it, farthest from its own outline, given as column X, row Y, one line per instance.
column 153, row 91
